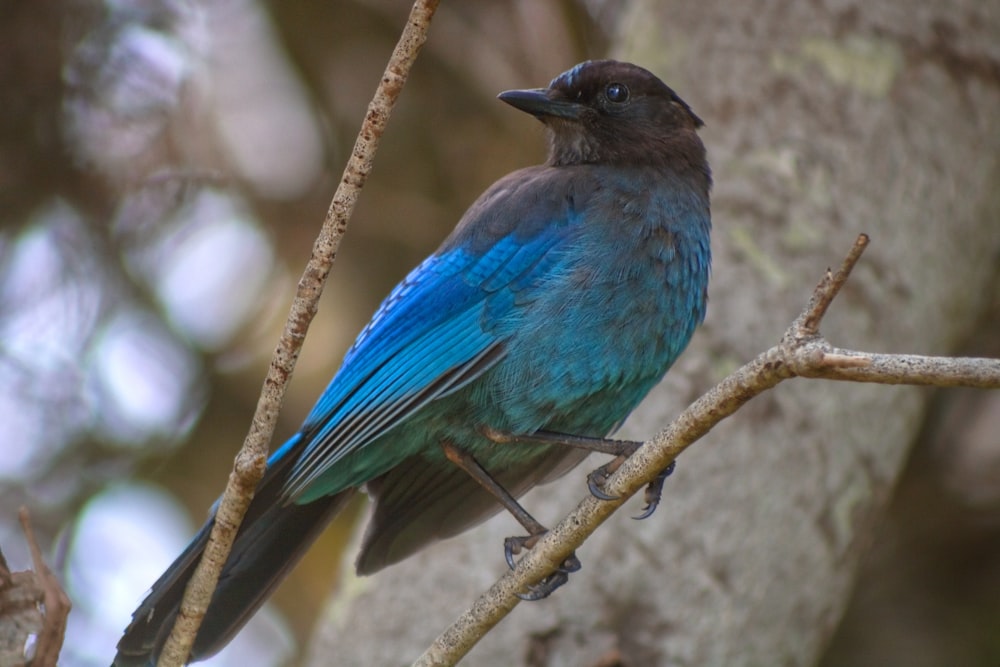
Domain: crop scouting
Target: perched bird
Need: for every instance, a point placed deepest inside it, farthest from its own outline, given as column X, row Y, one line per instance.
column 563, row 295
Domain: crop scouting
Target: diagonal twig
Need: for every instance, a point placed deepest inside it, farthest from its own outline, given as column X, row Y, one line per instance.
column 828, row 289
column 251, row 461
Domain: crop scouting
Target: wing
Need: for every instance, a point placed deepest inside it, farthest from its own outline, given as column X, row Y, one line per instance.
column 440, row 329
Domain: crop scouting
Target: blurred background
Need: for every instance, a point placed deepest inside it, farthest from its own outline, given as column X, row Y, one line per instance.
column 164, row 168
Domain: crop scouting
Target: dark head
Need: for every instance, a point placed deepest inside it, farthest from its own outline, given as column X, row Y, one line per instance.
column 610, row 112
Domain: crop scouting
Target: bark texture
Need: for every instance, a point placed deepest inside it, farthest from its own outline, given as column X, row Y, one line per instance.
column 825, row 119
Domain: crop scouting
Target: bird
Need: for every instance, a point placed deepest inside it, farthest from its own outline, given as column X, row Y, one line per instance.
column 562, row 296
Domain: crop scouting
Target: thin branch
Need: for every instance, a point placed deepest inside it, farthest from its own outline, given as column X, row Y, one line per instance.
column 21, row 598
column 820, row 360
column 829, row 288
column 802, row 352
column 251, row 461
column 57, row 604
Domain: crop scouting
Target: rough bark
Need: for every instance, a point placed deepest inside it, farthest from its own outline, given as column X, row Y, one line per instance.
column 825, row 119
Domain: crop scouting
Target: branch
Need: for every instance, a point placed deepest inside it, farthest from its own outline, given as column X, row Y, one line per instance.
column 252, row 459
column 33, row 609
column 802, row 352
column 57, row 603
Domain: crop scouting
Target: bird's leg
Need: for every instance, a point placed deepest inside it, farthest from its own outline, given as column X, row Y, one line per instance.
column 514, row 545
column 620, row 449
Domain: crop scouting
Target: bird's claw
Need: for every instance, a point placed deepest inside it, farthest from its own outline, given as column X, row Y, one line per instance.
column 513, row 546
column 596, row 480
column 549, row 584
column 654, row 490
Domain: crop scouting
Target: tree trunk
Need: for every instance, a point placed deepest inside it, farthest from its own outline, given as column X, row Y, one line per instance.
column 825, row 119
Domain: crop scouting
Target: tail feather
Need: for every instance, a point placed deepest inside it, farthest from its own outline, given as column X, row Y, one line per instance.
column 271, row 540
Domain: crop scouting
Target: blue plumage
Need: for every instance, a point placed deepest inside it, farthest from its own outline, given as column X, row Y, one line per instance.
column 563, row 295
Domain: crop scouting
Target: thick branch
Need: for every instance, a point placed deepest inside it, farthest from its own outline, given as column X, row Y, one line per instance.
column 802, row 352
column 251, row 461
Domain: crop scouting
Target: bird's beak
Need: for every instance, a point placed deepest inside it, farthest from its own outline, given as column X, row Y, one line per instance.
column 538, row 103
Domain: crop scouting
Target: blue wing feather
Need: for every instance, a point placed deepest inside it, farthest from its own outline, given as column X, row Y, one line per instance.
column 428, row 339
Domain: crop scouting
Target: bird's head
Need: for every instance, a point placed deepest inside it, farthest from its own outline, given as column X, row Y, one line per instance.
column 610, row 112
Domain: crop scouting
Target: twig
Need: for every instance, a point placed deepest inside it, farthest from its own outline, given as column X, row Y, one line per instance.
column 802, row 352
column 829, row 288
column 57, row 604
column 251, row 461
column 820, row 360
column 21, row 618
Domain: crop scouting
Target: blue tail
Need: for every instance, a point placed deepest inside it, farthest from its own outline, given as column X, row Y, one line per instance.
column 271, row 540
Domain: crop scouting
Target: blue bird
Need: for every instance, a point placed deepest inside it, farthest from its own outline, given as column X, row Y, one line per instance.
column 563, row 295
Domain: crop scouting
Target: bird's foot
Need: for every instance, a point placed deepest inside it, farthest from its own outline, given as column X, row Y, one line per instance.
column 549, row 584
column 654, row 490
column 598, row 477
column 513, row 546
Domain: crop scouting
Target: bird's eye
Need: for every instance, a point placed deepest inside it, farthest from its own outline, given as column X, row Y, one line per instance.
column 616, row 92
